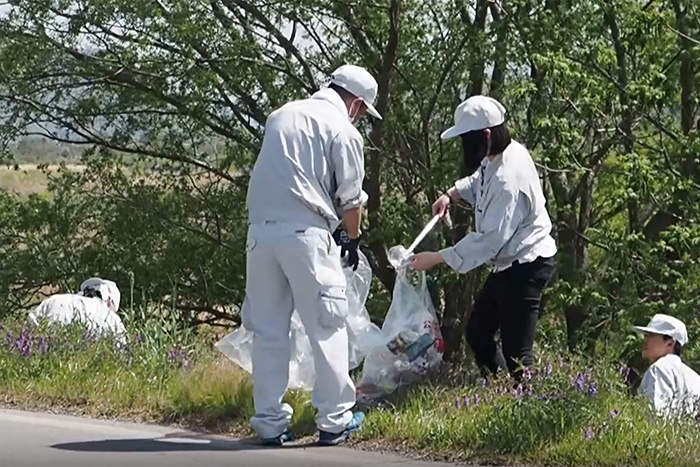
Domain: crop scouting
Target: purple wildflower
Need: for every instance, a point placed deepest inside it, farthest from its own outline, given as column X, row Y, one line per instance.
column 179, row 356
column 614, row 413
column 173, row 353
column 548, row 369
column 530, row 391
column 477, row 399
column 458, row 403
column 588, row 433
column 592, row 389
column 23, row 343
column 518, row 391
column 580, row 381
column 43, row 345
column 527, row 374
column 138, row 338
column 467, row 401
column 485, row 383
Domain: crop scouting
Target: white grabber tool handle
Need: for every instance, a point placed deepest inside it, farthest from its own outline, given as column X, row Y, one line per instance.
column 424, row 232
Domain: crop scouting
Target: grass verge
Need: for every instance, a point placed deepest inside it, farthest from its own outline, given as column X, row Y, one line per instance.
column 565, row 413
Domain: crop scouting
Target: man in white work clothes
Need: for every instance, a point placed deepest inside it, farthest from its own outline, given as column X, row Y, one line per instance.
column 671, row 386
column 512, row 235
column 307, row 180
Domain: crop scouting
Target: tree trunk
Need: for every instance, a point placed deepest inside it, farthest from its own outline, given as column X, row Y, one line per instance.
column 382, row 267
column 476, row 76
column 634, row 223
column 500, row 56
column 666, row 218
column 459, row 295
column 569, row 258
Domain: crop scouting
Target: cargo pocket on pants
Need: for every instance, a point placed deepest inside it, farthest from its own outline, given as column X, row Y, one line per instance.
column 246, row 318
column 333, row 306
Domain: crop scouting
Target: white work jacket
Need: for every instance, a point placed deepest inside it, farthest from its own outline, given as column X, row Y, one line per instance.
column 672, row 387
column 311, row 164
column 93, row 313
column 511, row 220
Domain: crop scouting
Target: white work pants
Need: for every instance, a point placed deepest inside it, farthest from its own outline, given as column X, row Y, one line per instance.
column 296, row 267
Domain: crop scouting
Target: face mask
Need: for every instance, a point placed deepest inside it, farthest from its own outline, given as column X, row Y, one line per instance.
column 475, row 147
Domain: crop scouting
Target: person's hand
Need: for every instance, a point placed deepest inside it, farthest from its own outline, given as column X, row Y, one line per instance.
column 425, row 260
column 441, row 206
column 348, row 246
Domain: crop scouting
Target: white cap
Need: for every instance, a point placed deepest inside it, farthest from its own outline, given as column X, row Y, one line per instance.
column 476, row 113
column 107, row 289
column 358, row 82
column 666, row 326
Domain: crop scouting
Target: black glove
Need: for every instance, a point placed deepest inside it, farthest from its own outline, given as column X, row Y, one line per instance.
column 348, row 246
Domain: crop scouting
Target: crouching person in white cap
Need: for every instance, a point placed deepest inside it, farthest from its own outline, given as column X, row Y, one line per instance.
column 307, row 180
column 512, row 234
column 95, row 306
column 671, row 386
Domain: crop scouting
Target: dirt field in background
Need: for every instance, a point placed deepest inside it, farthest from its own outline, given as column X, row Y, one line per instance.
column 28, row 179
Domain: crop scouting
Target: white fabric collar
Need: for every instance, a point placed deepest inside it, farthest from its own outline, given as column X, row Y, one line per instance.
column 329, row 95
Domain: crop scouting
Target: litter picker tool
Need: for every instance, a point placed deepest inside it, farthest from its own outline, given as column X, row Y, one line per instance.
column 399, row 256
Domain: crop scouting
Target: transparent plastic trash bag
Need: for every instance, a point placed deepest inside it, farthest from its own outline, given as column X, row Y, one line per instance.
column 362, row 333
column 412, row 341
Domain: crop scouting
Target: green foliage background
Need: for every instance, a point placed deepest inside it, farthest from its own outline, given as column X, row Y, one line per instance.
column 164, row 101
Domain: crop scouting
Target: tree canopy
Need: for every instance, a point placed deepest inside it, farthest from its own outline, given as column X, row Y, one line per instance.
column 169, row 99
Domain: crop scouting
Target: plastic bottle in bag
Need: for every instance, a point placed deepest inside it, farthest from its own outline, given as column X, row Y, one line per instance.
column 413, row 341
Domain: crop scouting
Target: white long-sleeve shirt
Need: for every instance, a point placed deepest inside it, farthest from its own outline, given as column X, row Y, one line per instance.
column 92, row 312
column 511, row 220
column 672, row 387
column 311, row 164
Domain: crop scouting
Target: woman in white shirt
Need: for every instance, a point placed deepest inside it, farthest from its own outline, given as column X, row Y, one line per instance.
column 512, row 234
column 671, row 386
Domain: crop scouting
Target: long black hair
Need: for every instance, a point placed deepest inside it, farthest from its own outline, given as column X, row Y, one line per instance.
column 475, row 144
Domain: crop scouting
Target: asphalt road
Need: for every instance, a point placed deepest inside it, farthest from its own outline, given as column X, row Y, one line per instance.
column 31, row 439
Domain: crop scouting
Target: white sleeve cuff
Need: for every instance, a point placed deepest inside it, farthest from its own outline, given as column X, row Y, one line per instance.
column 452, row 259
column 354, row 203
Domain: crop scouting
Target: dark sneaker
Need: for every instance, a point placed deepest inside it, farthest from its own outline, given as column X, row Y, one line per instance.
column 285, row 437
column 326, row 438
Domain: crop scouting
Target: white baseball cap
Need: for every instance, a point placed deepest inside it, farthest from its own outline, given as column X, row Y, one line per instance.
column 358, row 82
column 476, row 113
column 108, row 289
column 666, row 326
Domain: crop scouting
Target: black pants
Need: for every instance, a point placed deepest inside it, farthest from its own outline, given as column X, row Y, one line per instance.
column 509, row 302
